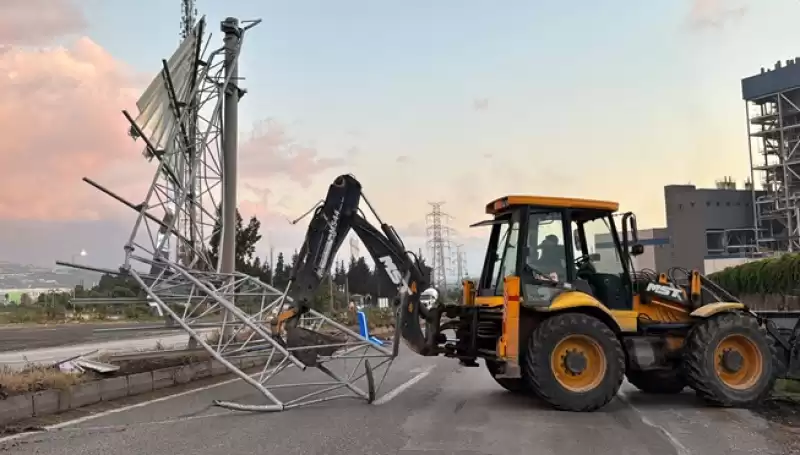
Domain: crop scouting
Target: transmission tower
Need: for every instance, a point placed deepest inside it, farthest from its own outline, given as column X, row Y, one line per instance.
column 202, row 168
column 187, row 215
column 354, row 253
column 188, row 17
column 461, row 263
column 439, row 244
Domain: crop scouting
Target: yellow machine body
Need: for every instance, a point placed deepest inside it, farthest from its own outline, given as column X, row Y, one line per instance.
column 597, row 317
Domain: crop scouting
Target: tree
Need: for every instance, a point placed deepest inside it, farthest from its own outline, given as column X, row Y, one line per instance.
column 360, row 277
column 266, row 273
column 340, row 274
column 281, row 272
column 246, row 239
column 116, row 285
column 25, row 299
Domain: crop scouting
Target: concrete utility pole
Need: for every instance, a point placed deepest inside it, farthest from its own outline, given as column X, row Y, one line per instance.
column 230, row 144
column 271, row 265
column 230, row 152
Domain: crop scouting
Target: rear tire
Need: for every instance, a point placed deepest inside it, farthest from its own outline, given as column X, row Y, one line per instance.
column 731, row 361
column 575, row 362
column 514, row 385
column 658, row 382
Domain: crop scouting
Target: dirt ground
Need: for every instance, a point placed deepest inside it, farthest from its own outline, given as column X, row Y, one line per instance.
column 784, row 406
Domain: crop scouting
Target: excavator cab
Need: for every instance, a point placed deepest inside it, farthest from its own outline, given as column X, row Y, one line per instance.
column 543, row 241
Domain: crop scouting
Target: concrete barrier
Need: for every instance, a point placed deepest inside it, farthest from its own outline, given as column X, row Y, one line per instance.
column 48, row 402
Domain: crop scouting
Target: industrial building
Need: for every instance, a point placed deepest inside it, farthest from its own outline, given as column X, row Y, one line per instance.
column 712, row 228
column 656, row 249
column 707, row 229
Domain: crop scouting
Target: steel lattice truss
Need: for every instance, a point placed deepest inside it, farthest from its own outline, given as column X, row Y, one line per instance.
column 168, row 253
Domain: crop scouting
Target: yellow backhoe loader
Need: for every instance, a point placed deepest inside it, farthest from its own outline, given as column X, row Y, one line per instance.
column 554, row 317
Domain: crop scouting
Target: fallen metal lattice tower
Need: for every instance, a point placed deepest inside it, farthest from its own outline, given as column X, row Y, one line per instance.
column 187, row 121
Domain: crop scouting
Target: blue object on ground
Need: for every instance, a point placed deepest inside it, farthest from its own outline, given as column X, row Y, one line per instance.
column 363, row 329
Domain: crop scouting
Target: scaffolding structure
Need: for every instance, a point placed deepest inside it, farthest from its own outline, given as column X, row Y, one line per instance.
column 188, row 123
column 773, row 127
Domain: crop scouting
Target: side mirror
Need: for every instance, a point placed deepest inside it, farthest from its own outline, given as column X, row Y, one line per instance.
column 637, row 249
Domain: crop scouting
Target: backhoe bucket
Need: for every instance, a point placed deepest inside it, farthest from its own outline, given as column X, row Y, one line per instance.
column 308, row 345
column 784, row 327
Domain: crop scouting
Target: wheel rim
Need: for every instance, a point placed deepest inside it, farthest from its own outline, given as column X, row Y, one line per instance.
column 738, row 362
column 578, row 363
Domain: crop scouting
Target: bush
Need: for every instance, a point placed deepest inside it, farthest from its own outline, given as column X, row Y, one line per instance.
column 21, row 315
column 779, row 275
column 379, row 317
column 35, row 378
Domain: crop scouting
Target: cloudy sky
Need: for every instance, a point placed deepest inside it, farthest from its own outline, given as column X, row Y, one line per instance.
column 454, row 100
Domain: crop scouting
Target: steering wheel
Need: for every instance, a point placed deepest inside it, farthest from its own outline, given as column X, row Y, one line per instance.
column 584, row 264
column 536, row 273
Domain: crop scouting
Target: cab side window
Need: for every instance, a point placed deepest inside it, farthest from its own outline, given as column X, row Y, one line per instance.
column 546, row 245
column 508, row 247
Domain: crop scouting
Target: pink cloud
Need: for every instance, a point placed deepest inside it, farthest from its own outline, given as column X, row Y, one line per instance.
column 713, row 13
column 38, row 22
column 60, row 115
column 270, row 151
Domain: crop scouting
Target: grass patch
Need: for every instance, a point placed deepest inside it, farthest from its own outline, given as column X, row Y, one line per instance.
column 36, row 378
column 788, row 388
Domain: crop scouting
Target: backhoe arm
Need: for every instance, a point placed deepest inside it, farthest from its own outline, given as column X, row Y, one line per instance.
column 327, row 230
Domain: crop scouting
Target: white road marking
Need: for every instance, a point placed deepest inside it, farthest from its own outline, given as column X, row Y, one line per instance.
column 87, row 418
column 390, row 395
column 680, row 448
column 385, row 398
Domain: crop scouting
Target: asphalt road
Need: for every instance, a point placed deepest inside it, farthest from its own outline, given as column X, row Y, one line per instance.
column 134, row 341
column 15, row 338
column 445, row 409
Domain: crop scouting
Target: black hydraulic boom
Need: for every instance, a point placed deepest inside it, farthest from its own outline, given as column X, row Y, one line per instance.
column 332, row 220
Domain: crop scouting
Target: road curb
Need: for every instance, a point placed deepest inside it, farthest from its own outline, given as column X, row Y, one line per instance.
column 48, row 402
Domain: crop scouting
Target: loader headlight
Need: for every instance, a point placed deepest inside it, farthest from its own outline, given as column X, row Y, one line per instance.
column 538, row 295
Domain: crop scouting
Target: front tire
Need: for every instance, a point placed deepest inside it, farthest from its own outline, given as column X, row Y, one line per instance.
column 575, row 362
column 514, row 385
column 730, row 360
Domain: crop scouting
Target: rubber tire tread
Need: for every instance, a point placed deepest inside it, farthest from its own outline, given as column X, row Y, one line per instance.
column 701, row 344
column 542, row 380
column 513, row 385
column 658, row 382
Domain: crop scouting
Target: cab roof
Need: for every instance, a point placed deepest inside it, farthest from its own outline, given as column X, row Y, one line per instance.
column 506, row 202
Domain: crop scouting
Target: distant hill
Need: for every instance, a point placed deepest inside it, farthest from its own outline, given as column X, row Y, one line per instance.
column 21, row 276
column 42, row 243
